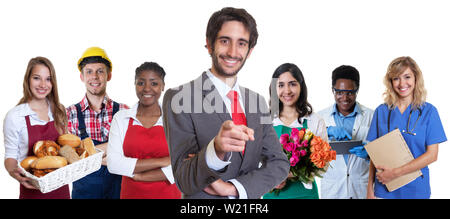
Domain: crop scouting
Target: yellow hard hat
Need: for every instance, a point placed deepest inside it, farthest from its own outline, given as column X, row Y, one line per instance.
column 94, row 51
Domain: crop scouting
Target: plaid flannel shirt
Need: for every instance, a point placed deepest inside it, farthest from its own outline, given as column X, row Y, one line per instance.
column 97, row 124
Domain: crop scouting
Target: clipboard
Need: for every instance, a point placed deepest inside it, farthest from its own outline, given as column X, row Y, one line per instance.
column 391, row 150
column 343, row 147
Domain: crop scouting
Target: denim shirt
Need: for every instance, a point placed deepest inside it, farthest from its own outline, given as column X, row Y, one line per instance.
column 346, row 122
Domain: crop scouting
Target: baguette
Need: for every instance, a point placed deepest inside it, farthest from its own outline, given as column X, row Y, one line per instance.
column 49, row 162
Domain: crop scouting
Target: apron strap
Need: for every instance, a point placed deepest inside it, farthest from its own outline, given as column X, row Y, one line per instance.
column 116, row 108
column 305, row 124
column 130, row 123
column 27, row 119
column 81, row 124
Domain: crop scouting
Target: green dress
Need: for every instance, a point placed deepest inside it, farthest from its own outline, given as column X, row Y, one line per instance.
column 293, row 190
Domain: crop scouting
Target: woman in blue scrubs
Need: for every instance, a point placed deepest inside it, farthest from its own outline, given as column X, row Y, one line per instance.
column 405, row 108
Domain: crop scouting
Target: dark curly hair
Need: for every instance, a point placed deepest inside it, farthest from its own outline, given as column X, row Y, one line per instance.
column 231, row 14
column 345, row 72
column 150, row 66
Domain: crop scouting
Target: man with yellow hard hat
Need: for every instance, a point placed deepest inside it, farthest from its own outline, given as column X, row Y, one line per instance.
column 92, row 118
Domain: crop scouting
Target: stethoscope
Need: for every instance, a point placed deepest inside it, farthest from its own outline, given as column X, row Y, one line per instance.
column 407, row 131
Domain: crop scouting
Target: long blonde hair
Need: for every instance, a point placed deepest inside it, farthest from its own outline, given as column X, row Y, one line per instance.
column 397, row 67
column 58, row 110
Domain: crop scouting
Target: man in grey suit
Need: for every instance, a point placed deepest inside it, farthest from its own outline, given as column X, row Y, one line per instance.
column 216, row 146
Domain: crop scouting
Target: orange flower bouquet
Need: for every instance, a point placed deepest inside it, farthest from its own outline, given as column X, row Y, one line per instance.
column 308, row 154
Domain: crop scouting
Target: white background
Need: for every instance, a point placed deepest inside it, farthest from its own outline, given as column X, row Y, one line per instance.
column 316, row 35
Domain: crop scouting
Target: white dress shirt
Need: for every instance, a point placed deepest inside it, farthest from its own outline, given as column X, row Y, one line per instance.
column 118, row 163
column 15, row 130
column 212, row 160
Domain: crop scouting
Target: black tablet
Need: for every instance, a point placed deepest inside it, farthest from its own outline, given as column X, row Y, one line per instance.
column 343, row 147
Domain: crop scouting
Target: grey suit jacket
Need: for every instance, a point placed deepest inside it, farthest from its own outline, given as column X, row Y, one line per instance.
column 193, row 114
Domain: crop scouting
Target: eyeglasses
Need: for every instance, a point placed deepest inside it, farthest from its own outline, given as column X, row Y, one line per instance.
column 340, row 93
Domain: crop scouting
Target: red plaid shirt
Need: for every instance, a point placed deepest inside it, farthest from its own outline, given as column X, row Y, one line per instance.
column 97, row 124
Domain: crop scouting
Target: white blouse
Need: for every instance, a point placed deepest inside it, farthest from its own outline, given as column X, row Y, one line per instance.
column 15, row 131
column 118, row 163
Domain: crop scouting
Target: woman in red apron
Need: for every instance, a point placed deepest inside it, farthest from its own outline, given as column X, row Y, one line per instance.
column 137, row 147
column 38, row 116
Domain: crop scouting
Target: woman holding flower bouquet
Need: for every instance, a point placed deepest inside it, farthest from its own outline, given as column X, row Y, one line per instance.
column 302, row 133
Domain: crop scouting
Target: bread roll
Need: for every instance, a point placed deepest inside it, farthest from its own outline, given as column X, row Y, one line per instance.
column 49, row 162
column 88, row 145
column 45, row 148
column 38, row 148
column 43, row 172
column 69, row 153
column 69, row 139
column 26, row 163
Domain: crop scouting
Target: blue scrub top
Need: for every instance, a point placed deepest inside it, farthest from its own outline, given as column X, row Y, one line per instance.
column 429, row 130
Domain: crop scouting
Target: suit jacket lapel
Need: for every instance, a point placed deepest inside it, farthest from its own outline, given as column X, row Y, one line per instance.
column 212, row 101
column 252, row 122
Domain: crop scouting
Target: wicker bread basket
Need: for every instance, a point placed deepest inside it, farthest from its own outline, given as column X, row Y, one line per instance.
column 66, row 174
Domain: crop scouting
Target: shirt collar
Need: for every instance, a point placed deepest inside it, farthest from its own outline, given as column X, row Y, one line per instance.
column 132, row 113
column 106, row 103
column 25, row 110
column 356, row 111
column 221, row 87
column 295, row 124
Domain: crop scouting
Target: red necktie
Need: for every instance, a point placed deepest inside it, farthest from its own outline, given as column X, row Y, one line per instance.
column 237, row 114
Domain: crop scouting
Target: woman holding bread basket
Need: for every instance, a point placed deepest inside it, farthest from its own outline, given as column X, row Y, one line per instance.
column 38, row 116
column 137, row 147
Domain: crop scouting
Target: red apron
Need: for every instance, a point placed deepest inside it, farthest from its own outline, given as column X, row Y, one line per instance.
column 143, row 143
column 37, row 133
